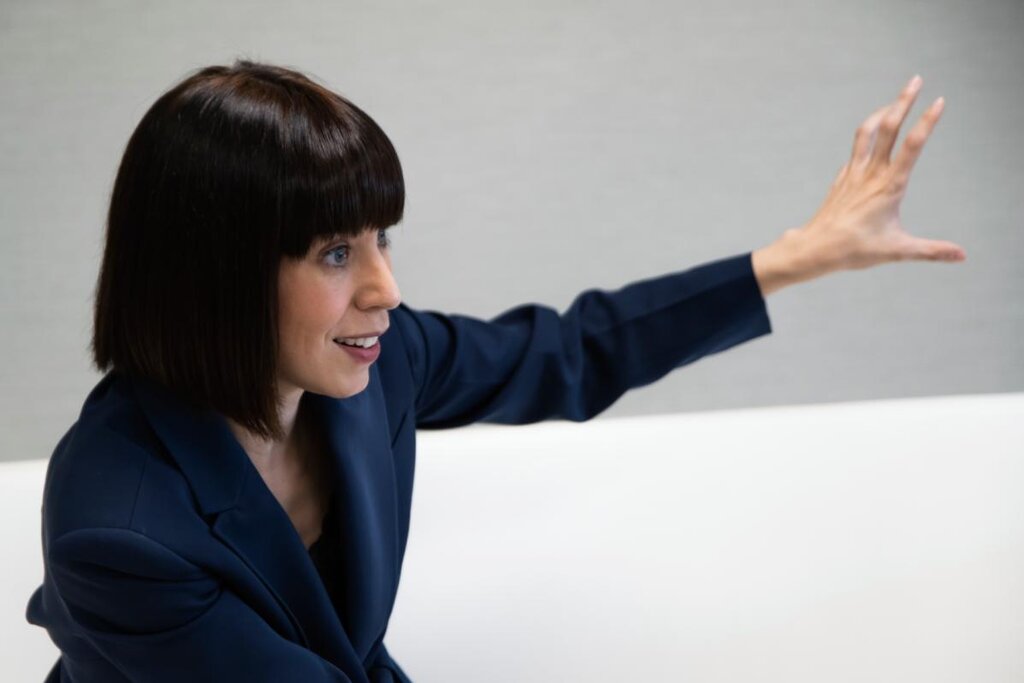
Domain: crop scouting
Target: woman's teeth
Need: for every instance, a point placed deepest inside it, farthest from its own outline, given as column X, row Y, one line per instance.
column 364, row 342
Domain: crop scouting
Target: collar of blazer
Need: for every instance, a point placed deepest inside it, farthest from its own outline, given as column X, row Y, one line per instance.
column 244, row 514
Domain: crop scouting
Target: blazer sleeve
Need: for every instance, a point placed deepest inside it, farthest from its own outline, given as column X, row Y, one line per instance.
column 530, row 363
column 160, row 619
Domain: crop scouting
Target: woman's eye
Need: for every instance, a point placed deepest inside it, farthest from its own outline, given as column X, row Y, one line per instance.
column 337, row 256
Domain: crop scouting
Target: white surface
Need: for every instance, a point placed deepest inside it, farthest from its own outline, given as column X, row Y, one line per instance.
column 26, row 652
column 879, row 541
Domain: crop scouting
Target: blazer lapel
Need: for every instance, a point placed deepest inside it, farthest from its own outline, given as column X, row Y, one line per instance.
column 366, row 508
column 248, row 519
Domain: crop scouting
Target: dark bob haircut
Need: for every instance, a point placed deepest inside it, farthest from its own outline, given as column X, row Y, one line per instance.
column 230, row 171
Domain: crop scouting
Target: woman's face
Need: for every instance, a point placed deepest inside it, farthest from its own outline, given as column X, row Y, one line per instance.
column 341, row 289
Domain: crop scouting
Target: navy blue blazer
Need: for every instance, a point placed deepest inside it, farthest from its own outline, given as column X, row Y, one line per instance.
column 167, row 558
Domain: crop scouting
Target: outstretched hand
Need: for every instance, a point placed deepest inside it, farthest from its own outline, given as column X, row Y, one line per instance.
column 858, row 225
column 860, row 217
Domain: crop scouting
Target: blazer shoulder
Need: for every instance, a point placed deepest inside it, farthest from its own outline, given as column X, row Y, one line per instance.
column 109, row 468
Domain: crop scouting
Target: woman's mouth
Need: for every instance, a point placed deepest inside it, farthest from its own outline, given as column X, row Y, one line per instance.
column 365, row 349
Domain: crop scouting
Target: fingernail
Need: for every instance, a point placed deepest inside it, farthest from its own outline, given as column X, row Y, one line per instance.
column 915, row 81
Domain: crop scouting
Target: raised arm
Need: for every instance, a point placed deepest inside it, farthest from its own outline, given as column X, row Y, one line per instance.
column 530, row 363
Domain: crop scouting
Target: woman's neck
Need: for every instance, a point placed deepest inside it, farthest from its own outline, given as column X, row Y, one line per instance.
column 266, row 452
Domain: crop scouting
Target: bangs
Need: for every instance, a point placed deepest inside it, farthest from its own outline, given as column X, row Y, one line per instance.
column 341, row 174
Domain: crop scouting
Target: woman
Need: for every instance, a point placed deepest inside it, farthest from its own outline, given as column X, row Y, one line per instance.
column 233, row 501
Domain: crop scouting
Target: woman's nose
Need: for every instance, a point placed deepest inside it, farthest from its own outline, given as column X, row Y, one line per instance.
column 379, row 288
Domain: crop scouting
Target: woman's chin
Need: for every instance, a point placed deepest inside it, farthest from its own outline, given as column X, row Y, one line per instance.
column 349, row 388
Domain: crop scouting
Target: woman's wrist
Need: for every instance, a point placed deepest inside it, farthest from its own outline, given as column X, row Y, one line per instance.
column 798, row 255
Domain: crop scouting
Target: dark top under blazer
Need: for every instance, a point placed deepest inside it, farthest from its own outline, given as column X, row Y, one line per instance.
column 167, row 558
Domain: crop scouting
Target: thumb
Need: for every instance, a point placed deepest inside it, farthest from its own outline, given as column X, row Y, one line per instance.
column 919, row 249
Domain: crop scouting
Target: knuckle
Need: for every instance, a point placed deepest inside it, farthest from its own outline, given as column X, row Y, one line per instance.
column 897, row 184
column 898, row 252
column 880, row 186
column 916, row 139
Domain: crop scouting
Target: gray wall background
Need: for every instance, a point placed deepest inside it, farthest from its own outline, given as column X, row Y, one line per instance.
column 550, row 147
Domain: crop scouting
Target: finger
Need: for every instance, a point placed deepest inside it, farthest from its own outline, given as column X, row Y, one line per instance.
column 920, row 249
column 914, row 142
column 865, row 136
column 889, row 127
